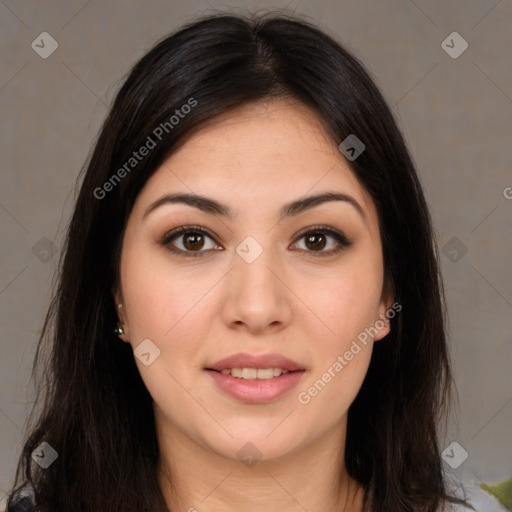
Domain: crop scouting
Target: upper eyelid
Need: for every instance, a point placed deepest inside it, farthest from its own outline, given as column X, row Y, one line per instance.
column 182, row 230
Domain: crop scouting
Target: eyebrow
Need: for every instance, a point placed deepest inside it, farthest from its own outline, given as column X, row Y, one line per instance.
column 211, row 206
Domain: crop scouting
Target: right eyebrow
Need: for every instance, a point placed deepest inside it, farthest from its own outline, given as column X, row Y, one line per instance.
column 203, row 203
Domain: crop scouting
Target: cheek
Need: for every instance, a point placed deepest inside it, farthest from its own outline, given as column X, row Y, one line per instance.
column 159, row 297
column 347, row 309
column 330, row 393
column 346, row 304
column 341, row 365
column 168, row 307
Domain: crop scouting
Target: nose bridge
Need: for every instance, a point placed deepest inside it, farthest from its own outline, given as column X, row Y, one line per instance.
column 257, row 297
column 252, row 270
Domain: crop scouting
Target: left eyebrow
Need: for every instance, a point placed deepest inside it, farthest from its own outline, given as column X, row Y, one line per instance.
column 308, row 202
column 211, row 206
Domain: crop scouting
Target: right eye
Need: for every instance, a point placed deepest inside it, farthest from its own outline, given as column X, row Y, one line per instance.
column 192, row 240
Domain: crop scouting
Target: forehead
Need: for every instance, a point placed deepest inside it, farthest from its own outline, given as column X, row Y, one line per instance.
column 275, row 133
column 267, row 152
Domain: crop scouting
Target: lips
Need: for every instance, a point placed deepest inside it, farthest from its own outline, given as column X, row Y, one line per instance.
column 243, row 360
column 245, row 387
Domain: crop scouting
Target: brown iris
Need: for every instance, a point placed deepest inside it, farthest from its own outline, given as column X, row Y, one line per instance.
column 193, row 241
column 312, row 241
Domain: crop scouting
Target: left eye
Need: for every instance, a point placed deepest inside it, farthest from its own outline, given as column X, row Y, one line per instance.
column 322, row 241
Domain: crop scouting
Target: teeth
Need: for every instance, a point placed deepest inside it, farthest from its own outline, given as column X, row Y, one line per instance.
column 254, row 373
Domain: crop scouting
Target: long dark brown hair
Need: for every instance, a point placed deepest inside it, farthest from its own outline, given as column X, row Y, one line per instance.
column 92, row 406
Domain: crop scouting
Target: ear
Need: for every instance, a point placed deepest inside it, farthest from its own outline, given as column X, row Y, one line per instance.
column 386, row 311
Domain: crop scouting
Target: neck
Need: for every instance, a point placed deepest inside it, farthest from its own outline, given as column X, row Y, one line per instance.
column 195, row 479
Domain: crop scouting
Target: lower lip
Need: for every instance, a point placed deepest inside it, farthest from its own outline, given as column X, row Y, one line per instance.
column 256, row 391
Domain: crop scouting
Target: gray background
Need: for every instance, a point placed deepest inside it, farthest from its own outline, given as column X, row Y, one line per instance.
column 456, row 114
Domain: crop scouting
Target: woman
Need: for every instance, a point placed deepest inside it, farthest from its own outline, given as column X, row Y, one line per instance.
column 250, row 313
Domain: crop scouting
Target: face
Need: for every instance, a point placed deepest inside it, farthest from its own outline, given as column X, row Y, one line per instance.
column 260, row 271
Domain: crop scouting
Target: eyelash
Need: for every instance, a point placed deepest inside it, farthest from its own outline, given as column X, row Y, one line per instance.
column 343, row 241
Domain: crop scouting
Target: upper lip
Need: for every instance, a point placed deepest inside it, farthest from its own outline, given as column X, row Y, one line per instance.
column 243, row 360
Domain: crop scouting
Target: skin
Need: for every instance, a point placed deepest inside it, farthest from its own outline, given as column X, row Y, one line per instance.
column 290, row 301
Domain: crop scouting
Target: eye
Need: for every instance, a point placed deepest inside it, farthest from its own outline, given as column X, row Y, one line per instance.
column 196, row 241
column 190, row 241
column 316, row 239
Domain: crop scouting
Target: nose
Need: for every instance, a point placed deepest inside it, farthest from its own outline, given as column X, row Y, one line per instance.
column 257, row 299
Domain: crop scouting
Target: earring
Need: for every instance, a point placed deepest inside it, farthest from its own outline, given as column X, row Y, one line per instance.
column 119, row 330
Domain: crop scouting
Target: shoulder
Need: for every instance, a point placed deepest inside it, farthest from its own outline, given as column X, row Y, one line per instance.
column 24, row 504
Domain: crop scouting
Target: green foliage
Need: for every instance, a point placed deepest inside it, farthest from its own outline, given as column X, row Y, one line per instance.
column 502, row 492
